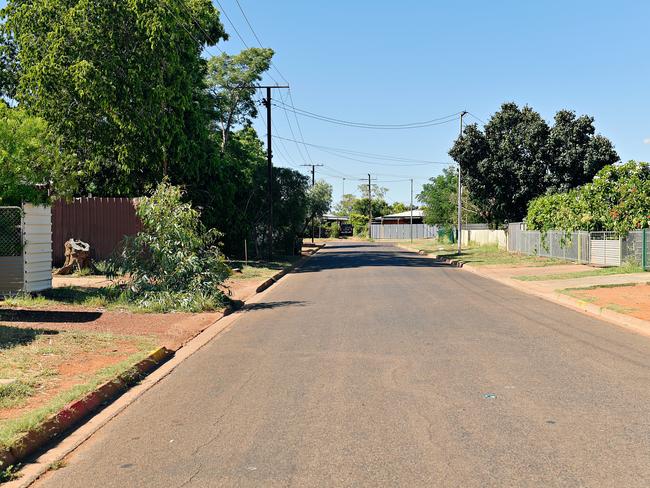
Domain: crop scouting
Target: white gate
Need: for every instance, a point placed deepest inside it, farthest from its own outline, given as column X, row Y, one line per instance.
column 605, row 249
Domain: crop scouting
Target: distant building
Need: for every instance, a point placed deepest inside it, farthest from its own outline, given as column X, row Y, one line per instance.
column 401, row 218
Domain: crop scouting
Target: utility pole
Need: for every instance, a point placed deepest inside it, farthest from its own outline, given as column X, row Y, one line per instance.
column 269, row 161
column 411, row 209
column 460, row 192
column 313, row 183
column 369, row 208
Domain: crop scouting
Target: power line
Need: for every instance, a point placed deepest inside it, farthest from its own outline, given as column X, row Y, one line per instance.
column 223, row 11
column 335, row 151
column 471, row 114
column 412, row 125
column 197, row 23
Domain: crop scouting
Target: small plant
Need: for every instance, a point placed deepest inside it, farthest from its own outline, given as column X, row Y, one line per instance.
column 335, row 231
column 9, row 473
column 174, row 263
column 58, row 464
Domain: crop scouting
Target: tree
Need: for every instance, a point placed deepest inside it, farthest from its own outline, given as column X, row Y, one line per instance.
column 439, row 197
column 319, row 199
column 9, row 68
column 511, row 161
column 122, row 83
column 378, row 192
column 32, row 167
column 379, row 207
column 576, row 153
column 290, row 206
column 399, row 207
column 230, row 80
column 345, row 207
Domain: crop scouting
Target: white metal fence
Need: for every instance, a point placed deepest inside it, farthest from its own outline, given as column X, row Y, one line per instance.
column 570, row 246
column 403, row 231
column 599, row 248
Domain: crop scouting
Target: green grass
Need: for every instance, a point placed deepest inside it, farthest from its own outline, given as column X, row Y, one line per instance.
column 259, row 270
column 620, row 309
column 492, row 255
column 114, row 298
column 110, row 298
column 33, row 356
column 625, row 269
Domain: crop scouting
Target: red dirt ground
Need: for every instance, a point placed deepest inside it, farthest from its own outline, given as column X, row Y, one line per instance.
column 631, row 300
column 70, row 374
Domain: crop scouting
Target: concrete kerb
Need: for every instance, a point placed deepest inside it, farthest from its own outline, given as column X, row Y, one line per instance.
column 296, row 265
column 631, row 323
column 118, row 394
column 78, row 410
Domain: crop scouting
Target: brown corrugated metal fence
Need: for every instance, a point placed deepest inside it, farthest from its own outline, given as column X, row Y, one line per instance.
column 101, row 222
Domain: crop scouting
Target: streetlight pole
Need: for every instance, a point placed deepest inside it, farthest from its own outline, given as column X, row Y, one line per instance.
column 411, row 209
column 460, row 193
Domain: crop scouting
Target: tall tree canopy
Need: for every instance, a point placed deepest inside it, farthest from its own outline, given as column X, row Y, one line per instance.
column 121, row 82
column 517, row 157
column 439, row 198
column 229, row 81
column 32, row 167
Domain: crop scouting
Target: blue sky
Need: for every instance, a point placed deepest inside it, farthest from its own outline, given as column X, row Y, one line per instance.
column 400, row 62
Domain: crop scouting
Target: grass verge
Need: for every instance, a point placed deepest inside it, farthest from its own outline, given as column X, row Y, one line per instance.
column 625, row 269
column 484, row 255
column 260, row 270
column 55, row 368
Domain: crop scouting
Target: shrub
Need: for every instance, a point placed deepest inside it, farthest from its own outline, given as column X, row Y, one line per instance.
column 335, row 230
column 618, row 200
column 174, row 262
column 360, row 224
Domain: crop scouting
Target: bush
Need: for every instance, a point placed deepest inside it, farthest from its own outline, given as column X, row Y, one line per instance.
column 359, row 224
column 335, row 230
column 618, row 200
column 174, row 263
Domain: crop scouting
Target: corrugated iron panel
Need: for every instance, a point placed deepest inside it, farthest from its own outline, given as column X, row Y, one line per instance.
column 101, row 222
column 37, row 251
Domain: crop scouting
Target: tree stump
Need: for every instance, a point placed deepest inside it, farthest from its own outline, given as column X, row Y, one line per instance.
column 77, row 257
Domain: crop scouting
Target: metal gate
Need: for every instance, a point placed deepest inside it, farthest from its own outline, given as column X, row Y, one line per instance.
column 605, row 248
column 11, row 250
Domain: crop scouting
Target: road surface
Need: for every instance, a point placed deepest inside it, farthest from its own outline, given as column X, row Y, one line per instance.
column 377, row 367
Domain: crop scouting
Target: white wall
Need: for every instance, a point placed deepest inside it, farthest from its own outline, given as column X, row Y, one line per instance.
column 485, row 236
column 37, row 250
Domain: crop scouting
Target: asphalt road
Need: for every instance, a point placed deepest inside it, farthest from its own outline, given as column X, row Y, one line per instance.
column 376, row 367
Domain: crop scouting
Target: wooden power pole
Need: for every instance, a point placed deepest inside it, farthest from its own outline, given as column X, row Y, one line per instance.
column 269, row 163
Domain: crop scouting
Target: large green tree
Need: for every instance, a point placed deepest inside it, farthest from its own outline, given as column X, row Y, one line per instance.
column 230, row 81
column 32, row 166
column 575, row 152
column 517, row 157
column 121, row 82
column 439, row 198
column 9, row 68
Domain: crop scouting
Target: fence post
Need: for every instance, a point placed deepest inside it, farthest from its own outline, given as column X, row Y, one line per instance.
column 644, row 249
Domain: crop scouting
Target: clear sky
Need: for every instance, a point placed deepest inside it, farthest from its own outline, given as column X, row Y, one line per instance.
column 399, row 62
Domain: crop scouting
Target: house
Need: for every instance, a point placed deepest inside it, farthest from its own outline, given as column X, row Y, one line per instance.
column 402, row 218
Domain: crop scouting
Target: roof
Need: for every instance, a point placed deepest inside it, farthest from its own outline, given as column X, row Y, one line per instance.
column 335, row 217
column 407, row 214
